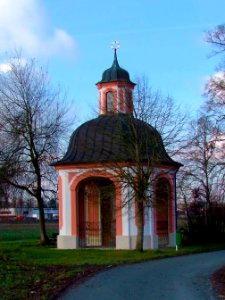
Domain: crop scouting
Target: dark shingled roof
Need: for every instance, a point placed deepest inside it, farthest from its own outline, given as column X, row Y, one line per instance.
column 111, row 138
column 115, row 73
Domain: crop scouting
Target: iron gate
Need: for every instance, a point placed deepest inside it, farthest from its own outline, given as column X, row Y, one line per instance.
column 94, row 234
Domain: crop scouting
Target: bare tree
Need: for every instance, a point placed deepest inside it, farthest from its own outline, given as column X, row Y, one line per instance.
column 216, row 37
column 203, row 158
column 138, row 148
column 4, row 195
column 32, row 122
column 215, row 87
column 204, row 155
column 162, row 113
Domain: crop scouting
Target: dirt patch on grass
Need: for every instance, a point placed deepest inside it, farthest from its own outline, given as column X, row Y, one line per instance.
column 218, row 282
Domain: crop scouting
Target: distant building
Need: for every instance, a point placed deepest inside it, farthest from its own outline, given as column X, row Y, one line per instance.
column 51, row 214
column 24, row 213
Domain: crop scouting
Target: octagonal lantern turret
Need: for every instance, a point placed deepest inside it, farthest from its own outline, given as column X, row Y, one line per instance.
column 115, row 90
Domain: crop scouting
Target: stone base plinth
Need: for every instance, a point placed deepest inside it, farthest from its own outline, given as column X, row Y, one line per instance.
column 67, row 242
column 129, row 242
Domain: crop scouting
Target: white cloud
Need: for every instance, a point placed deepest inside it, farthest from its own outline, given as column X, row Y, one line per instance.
column 24, row 24
column 219, row 76
column 7, row 66
column 4, row 68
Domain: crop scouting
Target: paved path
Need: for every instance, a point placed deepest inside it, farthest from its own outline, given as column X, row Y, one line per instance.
column 179, row 278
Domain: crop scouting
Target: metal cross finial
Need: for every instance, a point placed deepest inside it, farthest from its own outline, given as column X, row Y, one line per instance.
column 115, row 45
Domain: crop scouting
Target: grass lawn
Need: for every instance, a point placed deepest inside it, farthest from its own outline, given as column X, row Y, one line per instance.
column 31, row 271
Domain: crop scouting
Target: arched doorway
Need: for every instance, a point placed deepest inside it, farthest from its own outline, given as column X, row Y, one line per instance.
column 162, row 211
column 96, row 207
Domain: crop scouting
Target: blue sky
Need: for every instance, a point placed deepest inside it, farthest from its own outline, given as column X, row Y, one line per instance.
column 161, row 39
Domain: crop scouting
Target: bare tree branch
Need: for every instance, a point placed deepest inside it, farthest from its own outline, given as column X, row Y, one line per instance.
column 32, row 125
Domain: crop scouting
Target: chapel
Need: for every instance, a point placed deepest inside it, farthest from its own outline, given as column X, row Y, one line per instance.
column 93, row 206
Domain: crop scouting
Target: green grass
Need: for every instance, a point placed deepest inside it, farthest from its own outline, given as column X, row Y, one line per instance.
column 31, row 271
column 32, row 253
column 18, row 232
column 9, row 235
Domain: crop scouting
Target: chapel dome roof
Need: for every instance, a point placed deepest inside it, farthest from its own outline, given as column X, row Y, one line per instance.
column 115, row 73
column 110, row 138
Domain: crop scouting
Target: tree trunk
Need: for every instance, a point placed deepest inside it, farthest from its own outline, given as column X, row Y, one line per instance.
column 140, row 226
column 42, row 227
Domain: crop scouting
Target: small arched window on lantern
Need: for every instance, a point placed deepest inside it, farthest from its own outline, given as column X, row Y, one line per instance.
column 109, row 102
